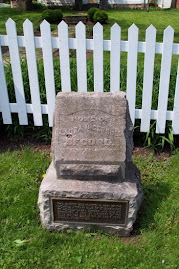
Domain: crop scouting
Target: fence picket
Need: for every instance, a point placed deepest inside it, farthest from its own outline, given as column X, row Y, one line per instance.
column 132, row 69
column 115, row 58
column 98, row 57
column 48, row 68
column 164, row 79
column 150, row 47
column 81, row 57
column 175, row 122
column 4, row 98
column 148, row 78
column 32, row 71
column 64, row 57
column 16, row 71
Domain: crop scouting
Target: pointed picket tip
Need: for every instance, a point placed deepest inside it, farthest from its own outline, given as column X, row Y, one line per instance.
column 27, row 26
column 98, row 26
column 115, row 27
column 133, row 27
column 169, row 29
column 133, row 31
column 151, row 28
column 80, row 24
column 44, row 24
column 10, row 22
column 27, row 22
column 80, row 29
column 63, row 24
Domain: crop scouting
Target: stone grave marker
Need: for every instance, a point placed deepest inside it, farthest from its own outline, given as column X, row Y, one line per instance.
column 92, row 180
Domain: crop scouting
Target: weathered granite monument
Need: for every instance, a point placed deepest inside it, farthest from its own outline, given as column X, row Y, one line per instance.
column 92, row 180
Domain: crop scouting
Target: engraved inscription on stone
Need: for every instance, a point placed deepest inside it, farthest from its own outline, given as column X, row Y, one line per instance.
column 91, row 135
column 90, row 129
column 90, row 211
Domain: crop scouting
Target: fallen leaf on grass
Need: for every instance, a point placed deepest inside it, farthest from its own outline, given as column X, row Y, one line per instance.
column 78, row 258
column 19, row 242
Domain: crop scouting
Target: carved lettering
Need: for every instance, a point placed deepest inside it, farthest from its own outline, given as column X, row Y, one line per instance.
column 93, row 127
column 90, row 131
column 89, row 119
column 69, row 142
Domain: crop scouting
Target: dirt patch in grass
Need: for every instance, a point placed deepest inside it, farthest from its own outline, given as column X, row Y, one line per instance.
column 147, row 152
column 6, row 144
column 133, row 240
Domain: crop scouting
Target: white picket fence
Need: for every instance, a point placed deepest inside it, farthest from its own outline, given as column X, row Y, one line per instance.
column 115, row 45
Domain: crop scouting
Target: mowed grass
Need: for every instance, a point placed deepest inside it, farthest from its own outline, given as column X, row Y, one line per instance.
column 24, row 244
column 124, row 17
column 161, row 19
column 19, row 16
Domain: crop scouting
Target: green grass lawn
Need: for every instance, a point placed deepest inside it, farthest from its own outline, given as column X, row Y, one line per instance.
column 159, row 18
column 19, row 16
column 24, row 244
column 124, row 17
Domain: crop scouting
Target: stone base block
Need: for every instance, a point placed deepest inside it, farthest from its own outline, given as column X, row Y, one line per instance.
column 81, row 204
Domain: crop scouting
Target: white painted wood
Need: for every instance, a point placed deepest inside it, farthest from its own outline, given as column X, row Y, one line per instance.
column 81, row 57
column 4, row 99
column 32, row 71
column 115, row 58
column 16, row 71
column 164, row 79
column 44, row 107
column 148, row 78
column 98, row 57
column 89, row 44
column 175, row 122
column 154, row 114
column 64, row 57
column 29, row 107
column 132, row 69
column 48, row 68
column 98, row 45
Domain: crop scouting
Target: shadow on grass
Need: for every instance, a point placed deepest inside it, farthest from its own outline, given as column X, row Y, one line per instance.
column 154, row 194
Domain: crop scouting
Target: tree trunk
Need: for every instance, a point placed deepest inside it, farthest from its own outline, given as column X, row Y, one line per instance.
column 78, row 4
column 28, row 5
column 103, row 4
column 18, row 4
column 173, row 4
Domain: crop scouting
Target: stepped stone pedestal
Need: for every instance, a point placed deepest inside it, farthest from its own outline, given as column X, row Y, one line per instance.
column 92, row 181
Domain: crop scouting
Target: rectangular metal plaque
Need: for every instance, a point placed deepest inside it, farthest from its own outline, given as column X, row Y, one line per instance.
column 89, row 211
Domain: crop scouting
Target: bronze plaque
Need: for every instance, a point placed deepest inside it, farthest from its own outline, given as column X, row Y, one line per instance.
column 89, row 211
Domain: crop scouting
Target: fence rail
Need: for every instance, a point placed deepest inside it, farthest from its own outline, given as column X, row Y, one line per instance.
column 115, row 45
